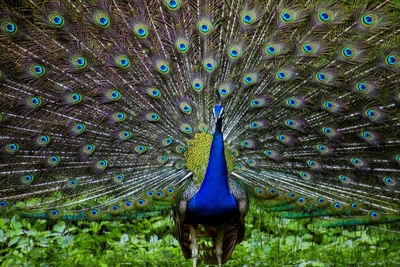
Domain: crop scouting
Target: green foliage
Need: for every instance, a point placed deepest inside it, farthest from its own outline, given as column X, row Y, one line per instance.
column 270, row 240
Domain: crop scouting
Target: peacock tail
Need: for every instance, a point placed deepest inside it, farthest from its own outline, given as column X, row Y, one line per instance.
column 106, row 106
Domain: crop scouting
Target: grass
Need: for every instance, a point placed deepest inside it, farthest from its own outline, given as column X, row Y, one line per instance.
column 270, row 241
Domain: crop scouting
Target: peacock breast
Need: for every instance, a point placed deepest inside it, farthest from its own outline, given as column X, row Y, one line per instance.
column 212, row 208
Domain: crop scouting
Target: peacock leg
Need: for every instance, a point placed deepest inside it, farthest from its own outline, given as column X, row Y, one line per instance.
column 195, row 250
column 219, row 243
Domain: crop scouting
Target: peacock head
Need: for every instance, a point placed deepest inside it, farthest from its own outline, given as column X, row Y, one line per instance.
column 218, row 112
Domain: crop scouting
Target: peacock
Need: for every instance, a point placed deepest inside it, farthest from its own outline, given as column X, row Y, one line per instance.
column 114, row 109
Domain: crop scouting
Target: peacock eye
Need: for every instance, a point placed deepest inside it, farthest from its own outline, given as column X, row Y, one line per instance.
column 186, row 128
column 197, row 85
column 38, row 69
column 153, row 117
column 35, row 101
column 162, row 159
column 53, row 161
column 172, row 4
column 328, row 105
column 371, row 113
column 248, row 17
column 391, row 60
column 123, row 62
column 321, row 76
column 205, row 26
column 324, row 16
column 101, row 19
column 361, row 86
column 186, row 108
column 44, row 139
column 368, row 20
column 308, row 49
column 366, row 135
column 80, row 61
column 57, row 20
column 389, row 181
column 349, row 53
column 281, row 75
column 8, row 27
column 271, row 50
column 286, row 16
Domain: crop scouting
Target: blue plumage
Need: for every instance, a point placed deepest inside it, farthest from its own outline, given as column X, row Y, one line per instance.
column 214, row 203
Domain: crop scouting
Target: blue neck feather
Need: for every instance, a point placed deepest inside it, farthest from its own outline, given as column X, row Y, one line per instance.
column 214, row 201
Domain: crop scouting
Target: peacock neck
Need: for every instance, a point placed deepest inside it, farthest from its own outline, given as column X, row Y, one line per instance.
column 214, row 202
column 216, row 177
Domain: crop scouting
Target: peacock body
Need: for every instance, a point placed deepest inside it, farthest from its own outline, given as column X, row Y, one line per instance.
column 106, row 110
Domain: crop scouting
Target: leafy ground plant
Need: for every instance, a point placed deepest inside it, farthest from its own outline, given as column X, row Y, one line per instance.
column 270, row 241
